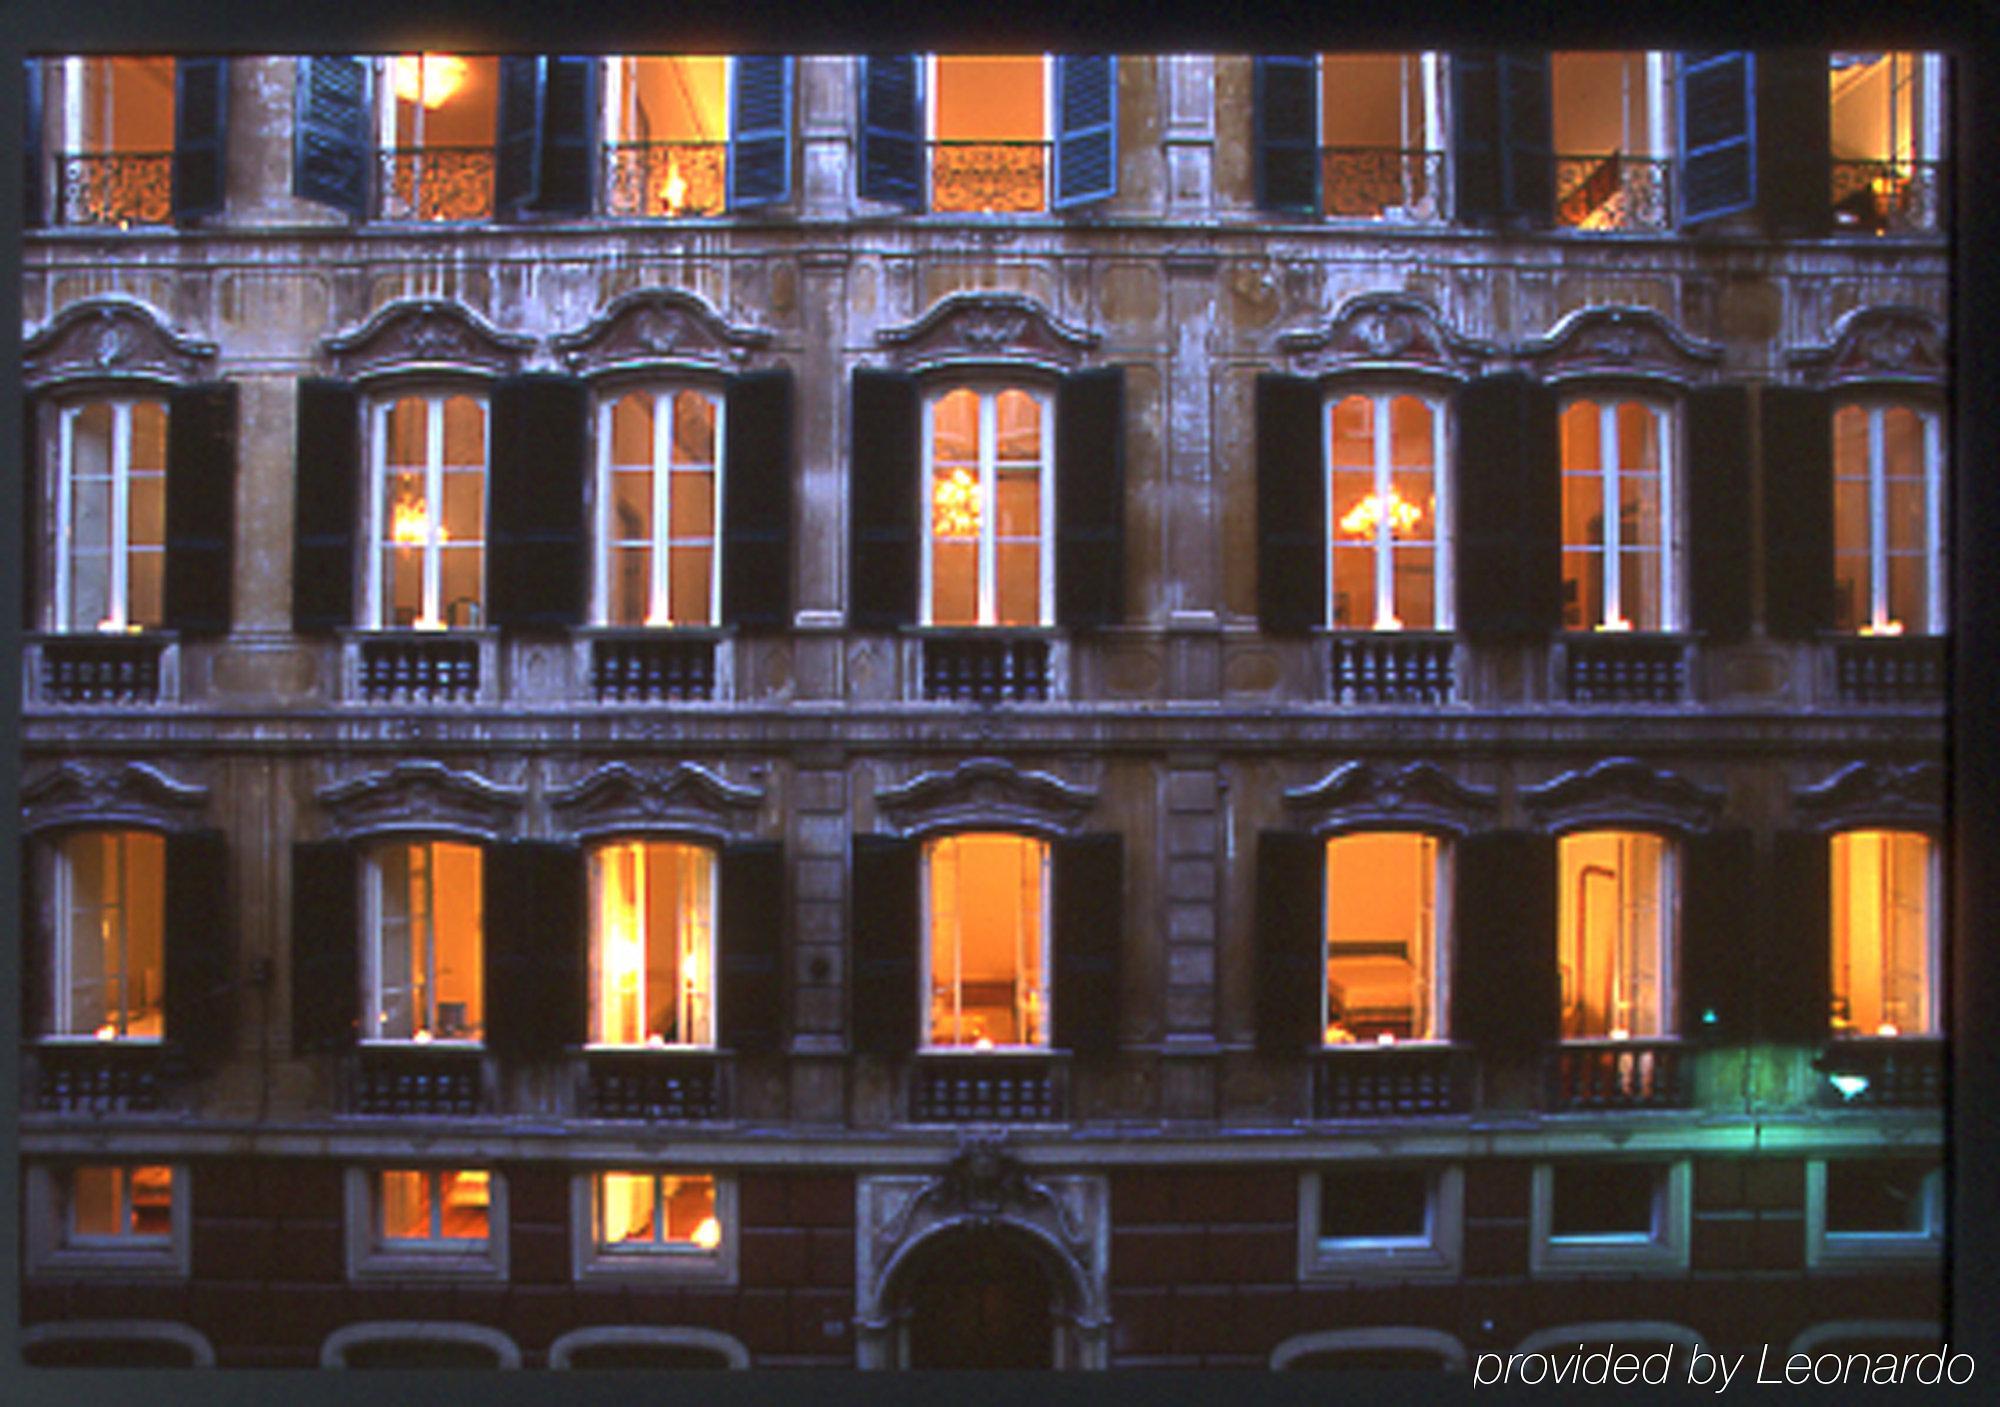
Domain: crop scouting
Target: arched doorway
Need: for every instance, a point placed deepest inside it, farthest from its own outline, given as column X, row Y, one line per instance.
column 978, row 1297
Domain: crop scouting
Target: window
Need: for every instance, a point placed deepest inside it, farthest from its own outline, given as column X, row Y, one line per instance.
column 1874, row 1209
column 110, row 968
column 987, row 558
column 1386, row 516
column 1886, row 114
column 667, row 135
column 661, row 497
column 1885, row 934
column 643, row 1223
column 1616, row 904
column 987, row 966
column 429, row 516
column 1380, row 136
column 422, row 977
column 435, row 116
column 1369, row 1219
column 652, row 977
column 117, row 125
column 115, row 1218
column 1888, row 520
column 989, row 133
column 119, row 1205
column 1611, row 146
column 1609, row 1216
column 111, row 515
column 1618, row 485
column 424, row 1221
column 1383, row 894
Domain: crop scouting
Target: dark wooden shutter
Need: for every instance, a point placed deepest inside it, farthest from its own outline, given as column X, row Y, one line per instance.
column 1285, row 102
column 332, row 149
column 1798, row 511
column 537, row 917
column 750, row 979
column 201, row 508
column 200, row 947
column 34, row 454
column 1794, row 135
column 567, row 135
column 34, row 161
column 1718, row 112
column 1090, row 498
column 1506, row 992
column 327, row 506
column 326, row 945
column 201, row 122
column 1290, row 942
column 1718, row 897
column 1089, row 895
column 1527, row 138
column 884, row 929
column 38, row 936
column 1508, row 500
column 1086, row 129
column 887, row 455
column 1475, row 153
column 892, row 154
column 1291, row 506
column 760, row 131
column 1794, row 961
column 757, row 501
column 516, row 147
column 535, row 578
column 1718, row 478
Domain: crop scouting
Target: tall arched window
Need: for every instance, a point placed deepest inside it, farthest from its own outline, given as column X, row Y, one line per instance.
column 1386, row 522
column 1888, row 520
column 990, row 509
column 660, row 504
column 1619, row 492
column 1617, row 908
column 429, row 510
column 986, row 895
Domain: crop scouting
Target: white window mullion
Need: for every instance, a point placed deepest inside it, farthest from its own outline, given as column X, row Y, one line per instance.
column 1878, row 524
column 1442, row 566
column 371, row 948
column 65, row 492
column 718, row 409
column 1045, row 496
column 927, row 515
column 989, row 503
column 1385, row 577
column 659, row 590
column 434, row 516
column 1670, row 520
column 116, row 614
column 1934, row 566
column 1607, row 435
column 600, row 547
column 1656, row 105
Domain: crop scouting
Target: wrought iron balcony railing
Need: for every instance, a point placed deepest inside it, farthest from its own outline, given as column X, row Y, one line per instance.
column 660, row 1085
column 665, row 180
column 1613, row 192
column 1617, row 1075
column 121, row 188
column 1624, row 668
column 1382, row 183
column 1392, row 667
column 1888, row 197
column 1371, row 1082
column 652, row 667
column 990, row 177
column 420, row 668
column 1000, row 1089
column 437, row 183
column 101, row 670
column 1889, row 670
column 981, row 668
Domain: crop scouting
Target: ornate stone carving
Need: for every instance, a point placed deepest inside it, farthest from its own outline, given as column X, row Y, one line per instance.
column 102, row 794
column 1417, row 795
column 658, row 329
column 1620, row 341
column 617, row 798
column 426, row 335
column 984, row 792
column 1385, row 331
column 421, row 795
column 972, row 329
column 1622, row 791
column 1876, row 794
column 111, row 338
column 1895, row 344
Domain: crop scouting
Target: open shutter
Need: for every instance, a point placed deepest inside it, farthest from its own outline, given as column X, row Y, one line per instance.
column 1794, row 136
column 326, row 945
column 1286, row 108
column 1089, row 935
column 34, row 453
column 1090, row 498
column 33, row 160
column 1509, row 553
column 1290, row 942
column 884, row 931
column 201, row 947
column 535, row 580
column 760, row 131
column 757, row 501
column 566, row 145
column 1718, row 478
column 1475, row 154
column 326, row 507
column 201, row 120
column 750, row 995
column 1718, row 111
column 1798, row 511
column 201, row 508
column 38, row 938
column 1506, row 992
column 1794, row 961
column 330, row 158
column 516, row 148
column 882, row 559
column 1527, row 138
column 891, row 131
column 1291, row 506
column 1086, row 129
column 537, row 914
column 1718, row 893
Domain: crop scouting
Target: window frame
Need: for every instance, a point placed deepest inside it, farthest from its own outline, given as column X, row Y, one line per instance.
column 928, row 104
column 52, row 1251
column 611, row 86
column 1663, row 1250
column 1437, row 1254
column 1668, row 959
column 592, row 1262
column 381, row 130
column 1443, row 883
column 1826, row 1247
column 58, row 1015
column 926, row 938
column 1670, row 418
column 376, row 409
column 987, row 390
column 592, row 849
column 1381, row 397
column 372, row 1257
column 89, row 76
column 371, row 947
column 659, row 545
column 1933, row 1027
column 1936, row 573
column 118, row 591
column 1433, row 83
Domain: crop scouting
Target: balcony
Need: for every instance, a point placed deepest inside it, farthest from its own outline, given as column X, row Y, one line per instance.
column 665, row 180
column 112, row 669
column 1392, row 667
column 415, row 1081
column 101, row 1077
column 1613, row 192
column 437, row 183
column 118, row 188
column 418, row 667
column 1594, row 1075
column 1623, row 668
column 1003, row 1089
column 1392, row 1081
column 1887, row 1072
column 1889, row 670
column 657, row 1086
column 986, row 667
column 1382, row 183
column 655, row 666
column 1888, row 197
column 997, row 178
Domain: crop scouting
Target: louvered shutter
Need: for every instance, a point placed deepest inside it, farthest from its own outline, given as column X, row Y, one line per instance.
column 1090, row 498
column 1506, row 992
column 201, row 124
column 34, row 454
column 1475, row 153
column 757, row 501
column 540, row 446
column 1527, row 138
column 1794, row 135
column 1086, row 129
column 200, row 947
column 201, row 508
column 884, row 931
column 536, row 915
column 1715, row 961
column 1089, row 906
column 332, row 148
column 516, row 147
column 326, row 945
column 892, row 153
column 1798, row 511
column 1291, row 506
column 1718, row 146
column 1290, row 942
column 567, row 136
column 750, row 936
column 34, row 161
column 1286, row 117
column 760, row 131
column 1794, row 958
column 1718, row 496
column 882, row 507
column 1508, row 499
column 326, row 506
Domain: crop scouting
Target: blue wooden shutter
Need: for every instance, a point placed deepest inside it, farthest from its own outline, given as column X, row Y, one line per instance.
column 201, row 508
column 760, row 131
column 330, row 156
column 201, row 120
column 891, row 131
column 1475, row 159
column 1718, row 107
column 33, row 160
column 1286, row 108
column 517, row 146
column 566, row 137
column 1086, row 128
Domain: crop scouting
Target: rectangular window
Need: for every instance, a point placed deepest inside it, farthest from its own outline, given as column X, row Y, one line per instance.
column 420, row 1206
column 436, row 114
column 1888, row 520
column 105, row 1220
column 1868, row 1211
column 1618, row 487
column 1885, row 934
column 989, row 133
column 1609, row 1216
column 117, row 125
column 987, row 897
column 1616, row 906
column 1610, row 132
column 988, row 559
column 110, row 968
column 666, row 142
column 656, row 1214
column 660, row 478
column 1383, row 893
column 422, row 976
column 652, row 951
column 1385, row 520
column 1886, row 130
column 111, row 525
column 120, row 1205
column 430, row 455
column 414, row 1223
column 1613, row 1202
column 1367, row 1219
column 1381, row 136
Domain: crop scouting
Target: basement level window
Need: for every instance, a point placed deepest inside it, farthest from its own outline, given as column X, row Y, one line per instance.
column 1872, row 1211
column 638, row 1224
column 1369, row 1221
column 1610, row 1216
column 425, row 1222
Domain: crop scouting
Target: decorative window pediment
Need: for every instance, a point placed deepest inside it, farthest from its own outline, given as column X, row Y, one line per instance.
column 136, row 794
column 659, row 330
column 1385, row 332
column 976, row 329
column 984, row 793
column 1620, row 341
column 1623, row 792
column 619, row 799
column 1416, row 796
column 422, row 797
column 426, row 336
column 1865, row 794
column 114, row 338
column 1895, row 345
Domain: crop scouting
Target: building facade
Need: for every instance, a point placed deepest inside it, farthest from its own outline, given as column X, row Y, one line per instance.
column 923, row 711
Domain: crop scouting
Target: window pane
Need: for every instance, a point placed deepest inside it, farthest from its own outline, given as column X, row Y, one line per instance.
column 692, row 513
column 1374, row 1204
column 1883, row 929
column 692, row 569
column 1902, row 443
column 1018, row 431
column 95, row 914
column 144, row 965
column 1613, row 936
column 1604, row 1200
column 1020, row 503
column 1380, row 915
column 403, row 888
column 90, row 525
column 1583, row 590
column 128, row 105
column 145, row 574
column 694, row 429
column 1638, row 437
column 465, row 1197
column 1879, row 1196
column 986, row 917
column 632, row 505
column 1019, row 586
column 625, row 1208
column 147, row 526
column 462, row 587
column 955, row 429
column 1639, row 589
column 652, row 946
column 1410, row 433
column 406, row 1206
column 460, row 1009
column 443, row 100
column 1906, row 515
column 1850, row 442
column 674, row 100
column 1353, row 588
column 989, row 98
column 1354, row 433
column 152, row 1191
column 464, row 431
column 408, row 433
column 632, row 430
column 1583, row 510
column 403, row 573
column 464, row 506
column 1412, row 505
column 1907, row 582
column 1580, row 433
column 94, row 1196
column 149, row 437
column 954, row 584
column 1639, row 509
column 690, row 1212
column 631, row 585
column 1416, row 587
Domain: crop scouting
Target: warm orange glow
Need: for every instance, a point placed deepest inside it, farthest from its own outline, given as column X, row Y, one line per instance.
column 1887, row 627
column 429, row 79
column 674, row 188
column 1618, row 624
column 708, row 1235
column 955, row 505
column 1613, row 904
column 652, row 980
column 1884, row 937
column 1380, row 907
column 107, row 1032
column 987, row 979
column 410, row 523
column 1364, row 517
